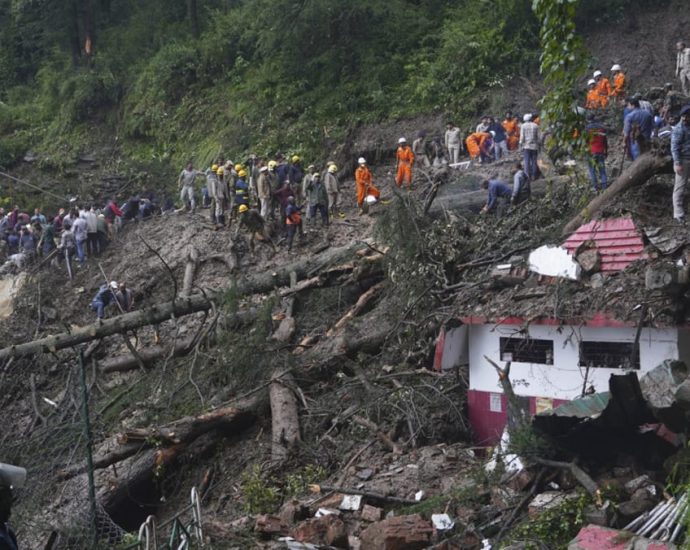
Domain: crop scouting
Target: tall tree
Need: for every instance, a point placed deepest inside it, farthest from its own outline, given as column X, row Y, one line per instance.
column 193, row 15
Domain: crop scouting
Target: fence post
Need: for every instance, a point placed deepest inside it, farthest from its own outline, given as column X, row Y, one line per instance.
column 89, row 442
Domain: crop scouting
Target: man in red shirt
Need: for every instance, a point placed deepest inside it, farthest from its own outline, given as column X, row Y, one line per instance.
column 597, row 144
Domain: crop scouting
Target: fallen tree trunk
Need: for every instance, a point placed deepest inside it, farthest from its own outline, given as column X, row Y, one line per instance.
column 122, row 323
column 285, row 432
column 355, row 310
column 637, row 173
column 183, row 347
column 263, row 282
column 189, row 271
column 454, row 197
column 176, row 434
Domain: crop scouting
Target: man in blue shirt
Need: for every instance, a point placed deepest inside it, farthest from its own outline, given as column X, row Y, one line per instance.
column 104, row 297
column 637, row 128
column 497, row 189
column 680, row 151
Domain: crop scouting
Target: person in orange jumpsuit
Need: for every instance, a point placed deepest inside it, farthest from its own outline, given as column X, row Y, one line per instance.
column 510, row 125
column 618, row 82
column 405, row 158
column 603, row 87
column 364, row 185
column 477, row 145
column 593, row 98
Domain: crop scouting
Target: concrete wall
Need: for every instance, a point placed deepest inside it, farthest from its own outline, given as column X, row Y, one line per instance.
column 564, row 379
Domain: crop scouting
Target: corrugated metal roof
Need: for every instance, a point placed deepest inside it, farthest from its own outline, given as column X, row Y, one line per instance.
column 618, row 241
column 590, row 406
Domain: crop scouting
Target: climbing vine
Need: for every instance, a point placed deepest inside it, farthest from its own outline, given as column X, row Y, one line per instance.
column 562, row 60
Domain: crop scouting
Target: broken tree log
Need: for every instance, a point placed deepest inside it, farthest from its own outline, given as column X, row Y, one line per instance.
column 263, row 282
column 120, row 324
column 355, row 310
column 176, row 434
column 306, row 268
column 456, row 197
column 285, row 432
column 637, row 173
column 189, row 271
column 150, row 354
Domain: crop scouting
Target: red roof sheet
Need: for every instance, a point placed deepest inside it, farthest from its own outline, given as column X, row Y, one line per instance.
column 617, row 240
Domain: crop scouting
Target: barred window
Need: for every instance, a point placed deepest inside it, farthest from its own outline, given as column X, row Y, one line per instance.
column 610, row 355
column 527, row 350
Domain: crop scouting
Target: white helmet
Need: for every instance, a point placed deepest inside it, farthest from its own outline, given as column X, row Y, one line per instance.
column 527, row 117
column 113, row 285
column 361, row 160
column 493, row 134
column 402, row 140
column 596, row 74
column 616, row 67
column 591, row 82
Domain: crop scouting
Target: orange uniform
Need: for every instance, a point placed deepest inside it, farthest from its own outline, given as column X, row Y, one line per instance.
column 512, row 133
column 364, row 184
column 603, row 88
column 476, row 144
column 593, row 100
column 618, row 85
column 405, row 158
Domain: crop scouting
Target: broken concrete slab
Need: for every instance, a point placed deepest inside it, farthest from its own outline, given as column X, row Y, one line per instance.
column 663, row 389
column 596, row 537
column 554, row 261
column 548, row 500
column 371, row 513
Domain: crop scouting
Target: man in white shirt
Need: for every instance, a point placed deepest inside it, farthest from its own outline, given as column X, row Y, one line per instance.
column 453, row 142
column 683, row 66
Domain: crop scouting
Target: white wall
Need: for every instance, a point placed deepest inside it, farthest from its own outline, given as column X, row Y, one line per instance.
column 564, row 379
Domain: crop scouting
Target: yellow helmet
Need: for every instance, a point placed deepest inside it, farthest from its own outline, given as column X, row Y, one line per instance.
column 295, row 158
column 238, row 167
column 242, row 173
column 332, row 168
column 243, row 208
column 220, row 171
column 272, row 164
column 214, row 168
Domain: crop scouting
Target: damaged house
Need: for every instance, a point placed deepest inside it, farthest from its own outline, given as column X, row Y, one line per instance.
column 603, row 303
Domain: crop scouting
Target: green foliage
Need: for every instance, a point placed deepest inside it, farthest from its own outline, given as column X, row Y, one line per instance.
column 563, row 60
column 263, row 494
column 553, row 528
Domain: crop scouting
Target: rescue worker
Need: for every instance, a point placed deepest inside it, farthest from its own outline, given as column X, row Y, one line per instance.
column 452, row 142
column 293, row 221
column 483, row 125
column 680, row 151
column 211, row 186
column 405, row 160
column 273, row 185
column 595, row 133
column 364, row 185
column 263, row 189
column 296, row 175
column 255, row 224
column 185, row 183
column 593, row 101
column 522, row 189
column 281, row 195
column 282, row 169
column 618, row 90
column 683, row 66
column 242, row 189
column 221, row 198
column 530, row 140
column 512, row 128
column 603, row 87
column 332, row 187
column 318, row 199
column 499, row 137
column 497, row 190
column 637, row 129
column 306, row 180
column 103, row 298
column 478, row 146
column 419, row 148
column 125, row 298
